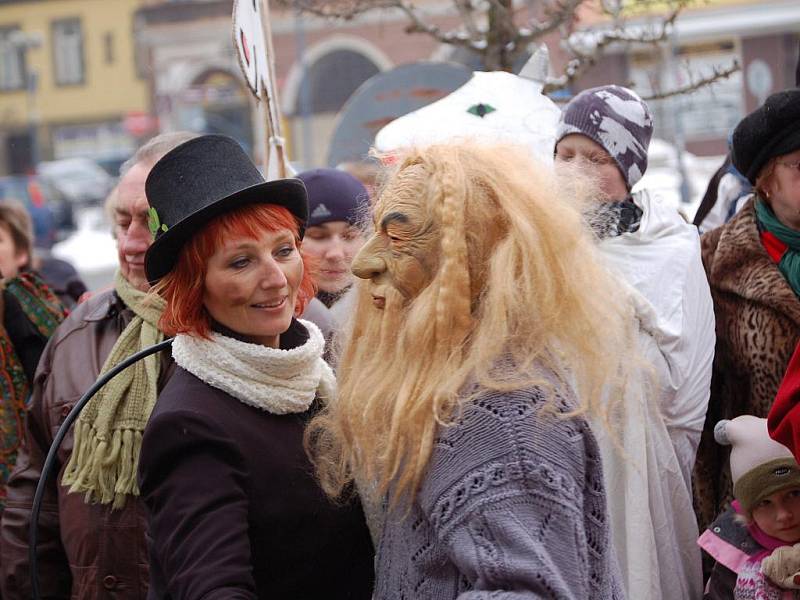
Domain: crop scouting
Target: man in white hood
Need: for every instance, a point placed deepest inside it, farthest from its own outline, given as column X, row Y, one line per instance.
column 605, row 133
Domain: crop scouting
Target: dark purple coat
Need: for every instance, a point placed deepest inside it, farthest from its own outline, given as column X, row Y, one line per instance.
column 233, row 508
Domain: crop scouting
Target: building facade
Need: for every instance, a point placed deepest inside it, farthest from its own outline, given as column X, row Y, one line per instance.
column 71, row 83
column 197, row 82
column 321, row 62
column 763, row 36
column 95, row 77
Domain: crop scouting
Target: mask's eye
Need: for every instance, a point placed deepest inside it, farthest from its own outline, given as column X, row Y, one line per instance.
column 481, row 109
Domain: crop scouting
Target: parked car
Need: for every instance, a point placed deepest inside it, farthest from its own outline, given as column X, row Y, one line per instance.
column 80, row 180
column 91, row 248
column 50, row 211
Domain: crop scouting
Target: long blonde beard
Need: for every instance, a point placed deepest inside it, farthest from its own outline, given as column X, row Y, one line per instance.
column 393, row 393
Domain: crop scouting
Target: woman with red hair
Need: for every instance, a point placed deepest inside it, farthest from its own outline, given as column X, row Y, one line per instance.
column 233, row 508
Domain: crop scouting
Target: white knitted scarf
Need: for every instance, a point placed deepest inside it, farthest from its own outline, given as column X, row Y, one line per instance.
column 274, row 380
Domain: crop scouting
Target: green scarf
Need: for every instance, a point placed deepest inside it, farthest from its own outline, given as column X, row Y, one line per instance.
column 789, row 264
column 108, row 433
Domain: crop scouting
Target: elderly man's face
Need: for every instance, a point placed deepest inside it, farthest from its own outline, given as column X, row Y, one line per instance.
column 596, row 162
column 402, row 252
column 130, row 226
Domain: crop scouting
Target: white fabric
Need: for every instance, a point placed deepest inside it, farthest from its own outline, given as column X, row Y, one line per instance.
column 730, row 199
column 522, row 115
column 274, row 380
column 319, row 315
column 650, row 493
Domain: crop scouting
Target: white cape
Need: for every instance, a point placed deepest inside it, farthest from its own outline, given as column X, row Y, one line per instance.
column 649, row 483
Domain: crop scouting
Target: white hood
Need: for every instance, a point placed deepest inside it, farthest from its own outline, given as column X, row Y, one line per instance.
column 653, row 523
column 493, row 107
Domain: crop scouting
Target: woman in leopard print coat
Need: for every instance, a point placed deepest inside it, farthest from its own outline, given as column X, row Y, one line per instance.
column 757, row 309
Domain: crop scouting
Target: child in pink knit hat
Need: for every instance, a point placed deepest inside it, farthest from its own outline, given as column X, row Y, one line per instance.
column 764, row 517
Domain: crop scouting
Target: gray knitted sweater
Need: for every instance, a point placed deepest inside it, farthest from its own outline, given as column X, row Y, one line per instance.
column 512, row 507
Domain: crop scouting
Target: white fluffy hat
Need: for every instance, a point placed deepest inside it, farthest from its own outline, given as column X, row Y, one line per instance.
column 760, row 466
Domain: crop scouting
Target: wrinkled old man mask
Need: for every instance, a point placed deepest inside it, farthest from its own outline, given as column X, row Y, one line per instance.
column 402, row 253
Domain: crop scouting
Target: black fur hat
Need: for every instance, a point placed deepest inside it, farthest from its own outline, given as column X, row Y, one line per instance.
column 773, row 129
column 202, row 179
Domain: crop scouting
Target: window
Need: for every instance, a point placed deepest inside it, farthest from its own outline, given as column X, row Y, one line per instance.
column 708, row 113
column 332, row 79
column 108, row 47
column 12, row 59
column 68, row 52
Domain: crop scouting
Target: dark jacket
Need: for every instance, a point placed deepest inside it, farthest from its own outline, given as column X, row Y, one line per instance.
column 85, row 551
column 234, row 509
column 758, row 327
column 729, row 544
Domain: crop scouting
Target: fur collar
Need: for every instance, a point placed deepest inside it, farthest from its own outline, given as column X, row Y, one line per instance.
column 274, row 380
column 738, row 264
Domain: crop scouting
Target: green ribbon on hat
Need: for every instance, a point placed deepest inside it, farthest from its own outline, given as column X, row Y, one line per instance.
column 154, row 222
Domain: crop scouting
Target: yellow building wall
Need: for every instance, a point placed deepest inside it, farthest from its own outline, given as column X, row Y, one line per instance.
column 109, row 89
column 640, row 7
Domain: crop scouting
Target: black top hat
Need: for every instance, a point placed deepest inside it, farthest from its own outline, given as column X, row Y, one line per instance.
column 202, row 179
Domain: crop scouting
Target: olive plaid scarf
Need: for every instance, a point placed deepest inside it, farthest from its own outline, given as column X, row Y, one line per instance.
column 108, row 433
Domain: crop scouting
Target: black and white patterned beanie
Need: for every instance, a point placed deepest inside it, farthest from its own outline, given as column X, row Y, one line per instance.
column 617, row 119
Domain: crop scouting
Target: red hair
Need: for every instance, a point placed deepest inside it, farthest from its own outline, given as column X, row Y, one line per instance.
column 183, row 287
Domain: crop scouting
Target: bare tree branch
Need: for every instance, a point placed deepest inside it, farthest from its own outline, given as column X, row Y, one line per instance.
column 501, row 9
column 716, row 75
column 466, row 10
column 418, row 25
column 345, row 10
column 505, row 37
column 584, row 60
column 536, row 29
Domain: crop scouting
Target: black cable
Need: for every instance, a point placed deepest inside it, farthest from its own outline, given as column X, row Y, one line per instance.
column 33, row 537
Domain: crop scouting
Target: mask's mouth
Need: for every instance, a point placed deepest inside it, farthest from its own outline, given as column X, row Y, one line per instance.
column 378, row 301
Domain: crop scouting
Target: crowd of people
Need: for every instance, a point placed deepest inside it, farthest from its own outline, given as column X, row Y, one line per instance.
column 480, row 376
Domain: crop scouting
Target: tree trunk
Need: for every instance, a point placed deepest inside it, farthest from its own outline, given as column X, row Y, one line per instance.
column 498, row 56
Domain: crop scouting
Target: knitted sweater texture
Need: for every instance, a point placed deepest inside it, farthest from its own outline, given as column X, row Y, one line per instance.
column 512, row 507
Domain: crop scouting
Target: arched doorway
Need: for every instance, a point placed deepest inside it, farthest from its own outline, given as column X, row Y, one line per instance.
column 318, row 87
column 331, row 80
column 216, row 102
